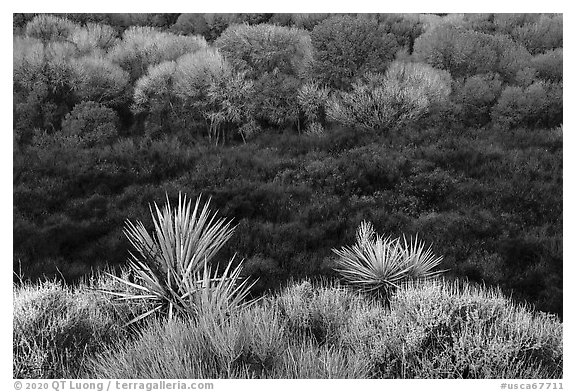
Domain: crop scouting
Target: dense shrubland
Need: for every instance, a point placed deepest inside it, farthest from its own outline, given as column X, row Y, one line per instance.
column 445, row 126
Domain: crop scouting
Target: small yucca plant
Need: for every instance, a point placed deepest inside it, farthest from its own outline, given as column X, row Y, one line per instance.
column 171, row 266
column 378, row 264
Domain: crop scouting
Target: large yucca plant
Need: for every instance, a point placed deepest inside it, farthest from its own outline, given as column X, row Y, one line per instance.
column 172, row 266
column 379, row 264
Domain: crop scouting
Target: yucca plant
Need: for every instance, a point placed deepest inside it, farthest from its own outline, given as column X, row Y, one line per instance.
column 172, row 266
column 377, row 264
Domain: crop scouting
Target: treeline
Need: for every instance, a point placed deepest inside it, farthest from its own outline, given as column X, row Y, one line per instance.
column 374, row 71
column 299, row 126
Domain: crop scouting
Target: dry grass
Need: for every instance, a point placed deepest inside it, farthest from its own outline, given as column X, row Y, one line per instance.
column 432, row 329
column 57, row 327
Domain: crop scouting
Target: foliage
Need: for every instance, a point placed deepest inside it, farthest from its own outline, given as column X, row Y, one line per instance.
column 406, row 27
column 266, row 48
column 378, row 265
column 210, row 26
column 383, row 102
column 142, row 47
column 231, row 104
column 476, row 96
column 545, row 33
column 154, row 96
column 302, row 21
column 312, row 99
column 172, row 267
column 94, row 38
column 539, row 104
column 199, row 88
column 548, row 65
column 434, row 329
column 94, row 123
column 491, row 201
column 466, row 53
column 56, row 327
column 296, row 197
column 202, row 83
column 50, row 28
column 98, row 79
column 346, row 47
column 43, row 83
column 275, row 58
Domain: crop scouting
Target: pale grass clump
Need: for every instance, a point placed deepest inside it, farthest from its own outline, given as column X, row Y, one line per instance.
column 319, row 312
column 172, row 266
column 378, row 265
column 431, row 329
column 466, row 331
column 266, row 336
column 306, row 360
column 246, row 345
column 57, row 327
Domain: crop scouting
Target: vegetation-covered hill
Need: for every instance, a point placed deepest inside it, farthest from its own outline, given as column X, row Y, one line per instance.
column 299, row 126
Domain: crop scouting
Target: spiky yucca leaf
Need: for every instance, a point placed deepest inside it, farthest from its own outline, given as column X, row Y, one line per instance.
column 171, row 266
column 365, row 233
column 376, row 263
column 219, row 295
column 373, row 265
column 421, row 260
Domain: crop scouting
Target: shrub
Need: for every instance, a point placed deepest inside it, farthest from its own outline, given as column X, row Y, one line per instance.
column 541, row 35
column 548, row 65
column 56, row 328
column 198, row 89
column 512, row 57
column 231, row 100
column 539, row 104
column 477, row 96
column 346, row 47
column 406, row 28
column 312, row 100
column 172, row 268
column 275, row 100
column 317, row 311
column 94, row 123
column 142, row 47
column 265, row 48
column 458, row 51
column 506, row 22
column 433, row 329
column 210, row 26
column 43, row 83
column 275, row 58
column 194, row 75
column 94, row 39
column 154, row 96
column 473, row 332
column 50, row 28
column 401, row 96
column 466, row 53
column 98, row 79
column 378, row 264
column 302, row 21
